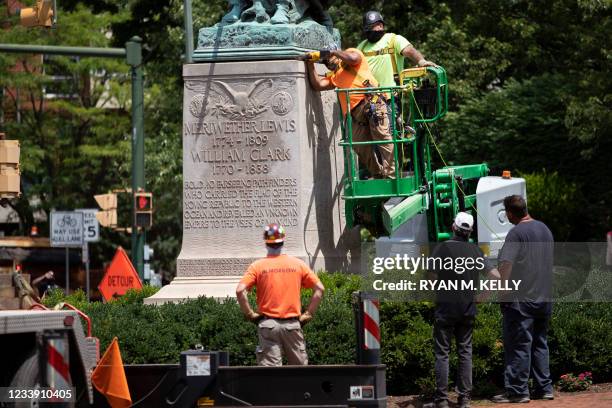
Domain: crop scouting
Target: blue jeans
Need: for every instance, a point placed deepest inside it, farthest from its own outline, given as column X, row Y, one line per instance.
column 525, row 352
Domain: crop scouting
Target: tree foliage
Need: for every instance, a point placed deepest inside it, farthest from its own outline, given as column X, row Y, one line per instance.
column 529, row 82
column 555, row 201
column 75, row 131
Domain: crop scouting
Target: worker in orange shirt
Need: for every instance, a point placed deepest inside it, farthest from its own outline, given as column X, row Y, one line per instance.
column 279, row 279
column 369, row 112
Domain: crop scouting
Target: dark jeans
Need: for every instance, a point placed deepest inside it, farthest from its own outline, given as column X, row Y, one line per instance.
column 525, row 352
column 444, row 331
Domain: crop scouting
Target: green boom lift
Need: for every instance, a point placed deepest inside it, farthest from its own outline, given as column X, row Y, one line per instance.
column 384, row 205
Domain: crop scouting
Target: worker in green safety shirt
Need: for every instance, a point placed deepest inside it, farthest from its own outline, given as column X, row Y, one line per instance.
column 385, row 52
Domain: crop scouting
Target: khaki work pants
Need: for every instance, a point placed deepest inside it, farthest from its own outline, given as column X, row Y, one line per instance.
column 278, row 337
column 373, row 124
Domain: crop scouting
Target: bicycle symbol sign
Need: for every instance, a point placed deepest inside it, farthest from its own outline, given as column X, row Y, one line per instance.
column 66, row 228
column 67, row 221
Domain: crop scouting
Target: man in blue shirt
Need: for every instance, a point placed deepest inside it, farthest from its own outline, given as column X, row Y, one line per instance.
column 527, row 256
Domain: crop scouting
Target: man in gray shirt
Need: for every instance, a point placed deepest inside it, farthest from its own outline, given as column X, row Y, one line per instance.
column 527, row 255
column 456, row 309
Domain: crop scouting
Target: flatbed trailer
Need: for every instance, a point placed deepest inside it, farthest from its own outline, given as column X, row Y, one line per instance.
column 206, row 378
column 199, row 381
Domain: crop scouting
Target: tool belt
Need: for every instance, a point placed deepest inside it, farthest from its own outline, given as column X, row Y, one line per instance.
column 372, row 99
column 369, row 103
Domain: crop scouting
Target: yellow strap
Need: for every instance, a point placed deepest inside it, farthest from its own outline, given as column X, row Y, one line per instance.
column 390, row 49
column 392, row 53
column 382, row 51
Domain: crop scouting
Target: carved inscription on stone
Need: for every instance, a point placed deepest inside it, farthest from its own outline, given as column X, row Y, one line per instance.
column 213, row 266
column 242, row 147
column 242, row 203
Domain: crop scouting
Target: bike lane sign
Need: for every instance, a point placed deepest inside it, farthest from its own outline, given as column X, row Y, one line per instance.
column 66, row 229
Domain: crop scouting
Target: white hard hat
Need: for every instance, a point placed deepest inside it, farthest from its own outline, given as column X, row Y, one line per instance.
column 464, row 221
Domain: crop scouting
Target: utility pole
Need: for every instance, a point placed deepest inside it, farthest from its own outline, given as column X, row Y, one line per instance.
column 134, row 59
column 188, row 31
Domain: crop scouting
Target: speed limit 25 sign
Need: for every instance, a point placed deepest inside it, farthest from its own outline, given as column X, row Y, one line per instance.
column 91, row 227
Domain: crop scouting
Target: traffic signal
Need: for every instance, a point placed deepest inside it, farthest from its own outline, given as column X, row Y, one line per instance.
column 41, row 15
column 108, row 204
column 9, row 168
column 143, row 210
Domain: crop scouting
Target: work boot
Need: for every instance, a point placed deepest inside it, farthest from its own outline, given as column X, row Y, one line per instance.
column 543, row 396
column 507, row 398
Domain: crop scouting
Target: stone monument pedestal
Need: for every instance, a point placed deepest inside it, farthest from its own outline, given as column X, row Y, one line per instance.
column 259, row 146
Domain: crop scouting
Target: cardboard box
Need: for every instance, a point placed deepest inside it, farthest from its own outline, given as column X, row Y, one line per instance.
column 9, row 151
column 9, row 183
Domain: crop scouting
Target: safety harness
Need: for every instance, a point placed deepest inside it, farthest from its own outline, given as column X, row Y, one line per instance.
column 390, row 50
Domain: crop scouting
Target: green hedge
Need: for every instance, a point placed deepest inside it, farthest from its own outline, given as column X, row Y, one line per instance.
column 580, row 335
column 556, row 201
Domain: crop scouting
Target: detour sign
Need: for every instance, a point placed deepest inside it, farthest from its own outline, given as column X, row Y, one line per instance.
column 120, row 277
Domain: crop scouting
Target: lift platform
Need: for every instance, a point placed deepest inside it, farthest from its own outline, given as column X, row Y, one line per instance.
column 384, row 205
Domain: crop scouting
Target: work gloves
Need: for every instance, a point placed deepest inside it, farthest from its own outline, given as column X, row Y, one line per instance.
column 315, row 56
